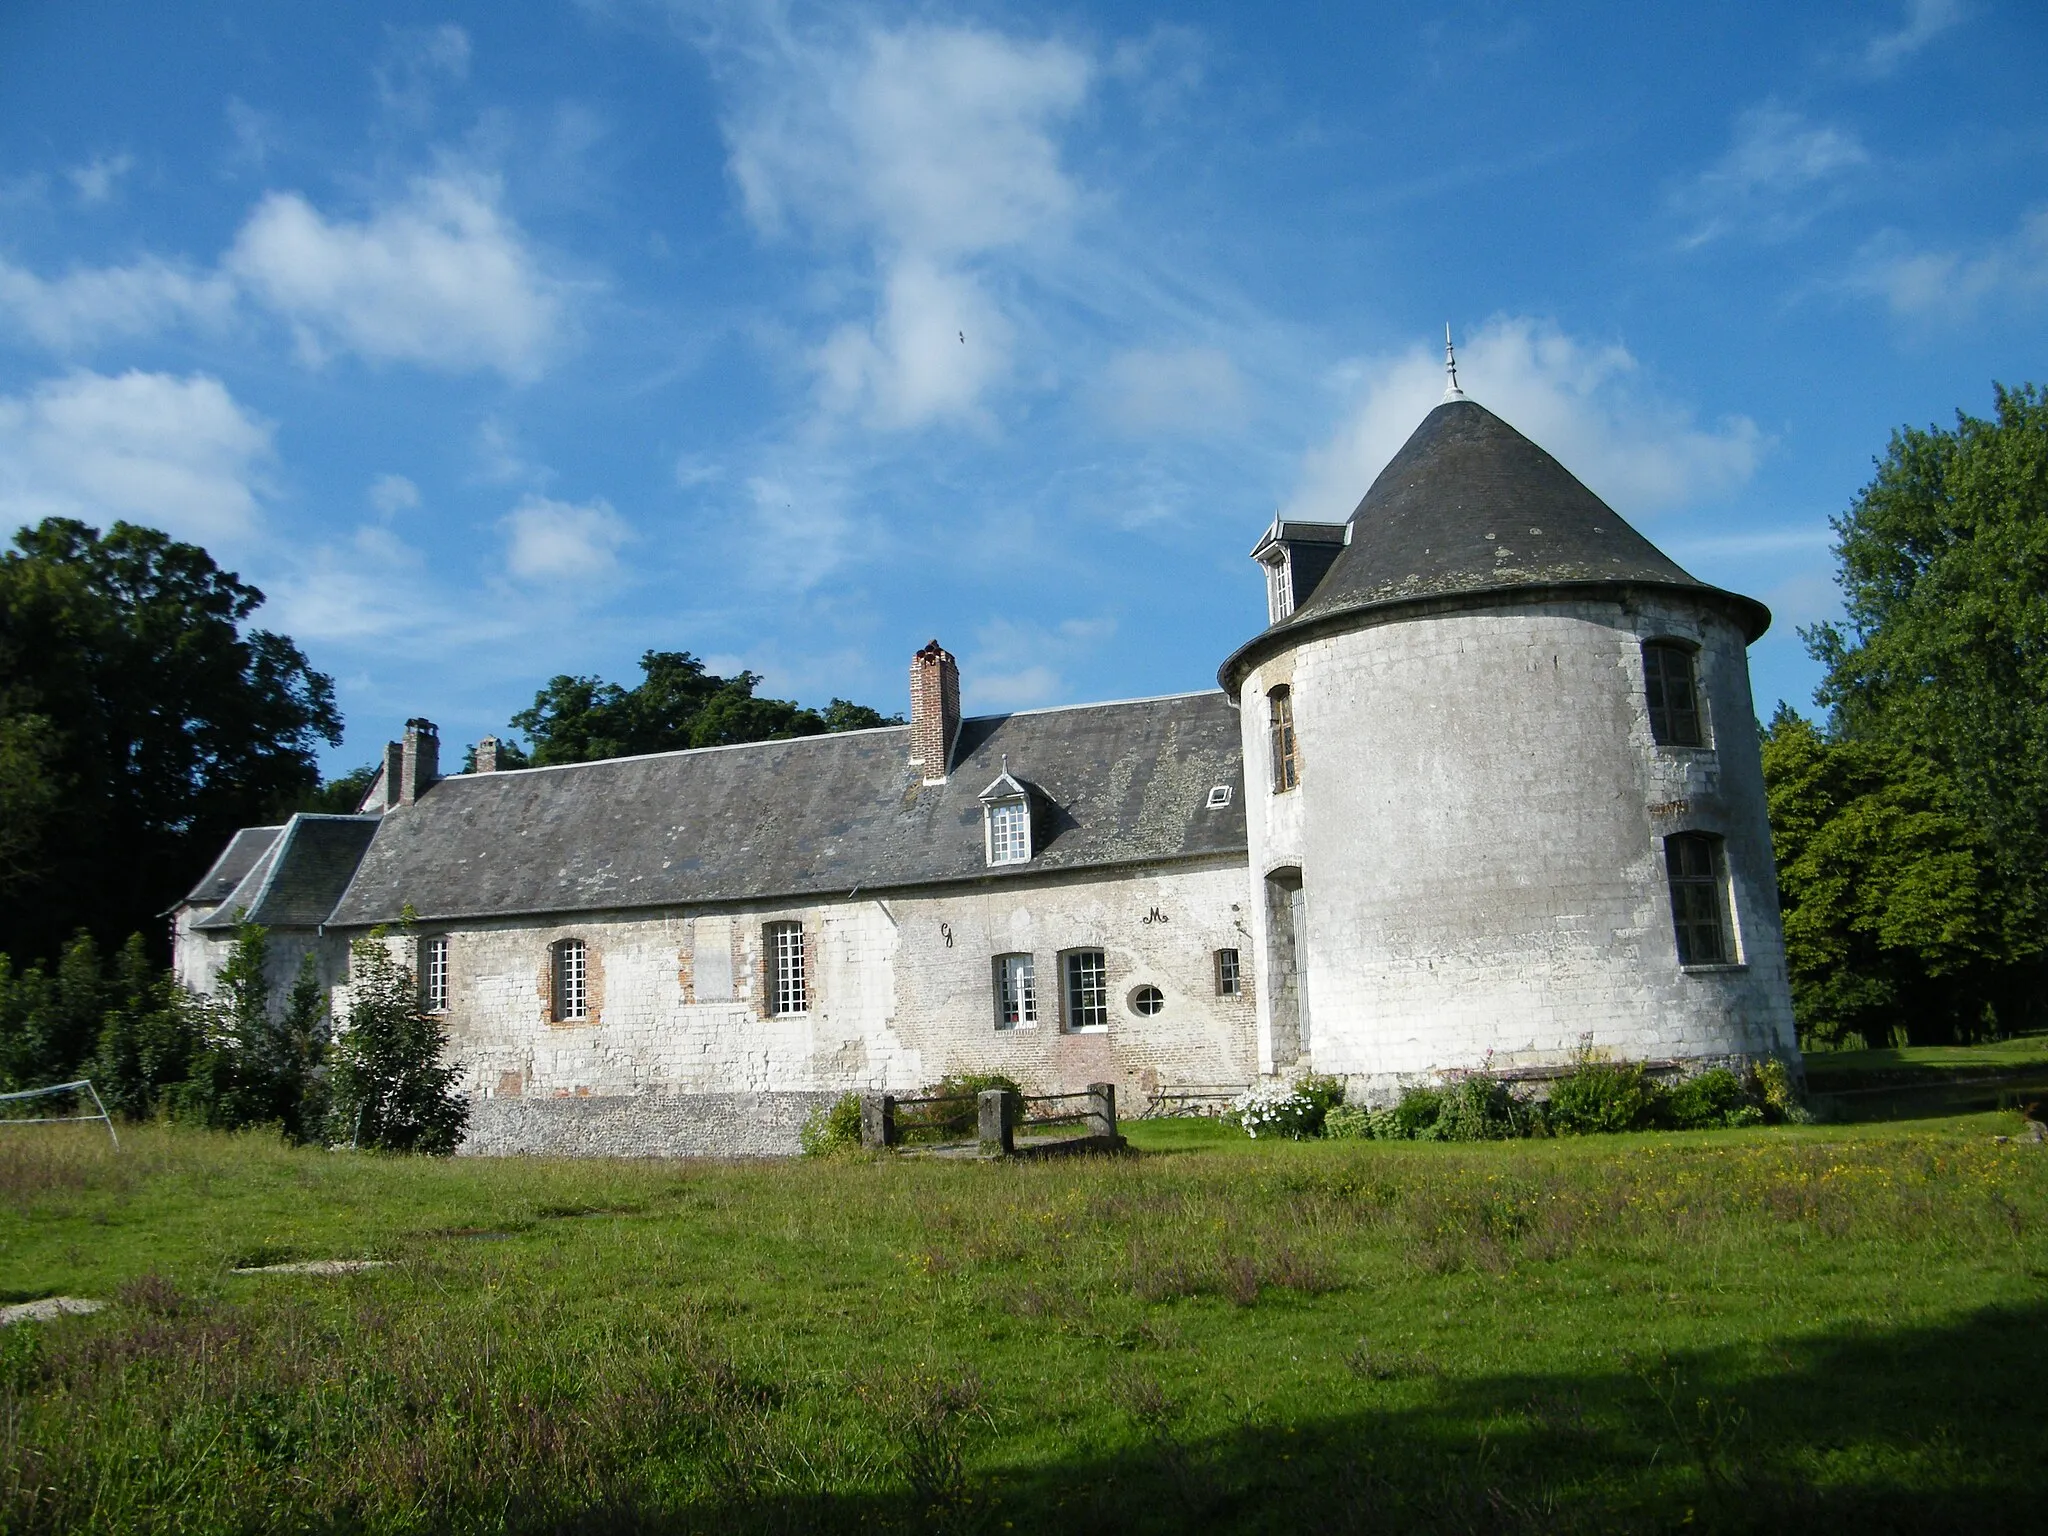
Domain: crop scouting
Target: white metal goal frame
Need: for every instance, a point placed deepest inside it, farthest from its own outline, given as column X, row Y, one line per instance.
column 37, row 1093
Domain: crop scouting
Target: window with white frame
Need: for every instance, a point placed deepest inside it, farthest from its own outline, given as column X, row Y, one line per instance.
column 788, row 991
column 571, row 981
column 1009, row 832
column 1016, row 991
column 1087, row 989
column 434, row 973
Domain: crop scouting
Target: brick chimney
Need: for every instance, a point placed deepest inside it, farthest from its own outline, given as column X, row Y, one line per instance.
column 486, row 755
column 934, row 712
column 420, row 760
column 394, row 772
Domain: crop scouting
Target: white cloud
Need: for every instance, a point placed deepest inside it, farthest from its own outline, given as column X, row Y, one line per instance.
column 416, row 62
column 1770, row 181
column 1925, row 20
column 933, row 146
column 391, row 494
column 442, row 279
column 1194, row 389
column 91, row 304
column 1582, row 401
column 548, row 540
column 1946, row 285
column 802, row 529
column 94, row 181
column 176, row 454
column 938, row 343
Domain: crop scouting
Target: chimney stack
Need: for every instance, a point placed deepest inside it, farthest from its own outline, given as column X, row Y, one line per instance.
column 420, row 760
column 394, row 772
column 487, row 755
column 934, row 712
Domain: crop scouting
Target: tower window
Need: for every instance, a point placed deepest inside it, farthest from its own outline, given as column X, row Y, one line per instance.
column 1286, row 751
column 1673, row 689
column 571, row 982
column 1228, row 980
column 1087, row 985
column 788, row 992
column 1699, row 902
column 434, row 973
column 1016, row 991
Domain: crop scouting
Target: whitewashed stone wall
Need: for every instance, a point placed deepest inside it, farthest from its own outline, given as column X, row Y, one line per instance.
column 1479, row 828
column 902, row 992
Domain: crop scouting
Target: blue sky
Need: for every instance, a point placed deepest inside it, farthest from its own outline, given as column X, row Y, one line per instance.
column 500, row 341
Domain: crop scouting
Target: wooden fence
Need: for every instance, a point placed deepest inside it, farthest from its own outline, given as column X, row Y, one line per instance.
column 1001, row 1118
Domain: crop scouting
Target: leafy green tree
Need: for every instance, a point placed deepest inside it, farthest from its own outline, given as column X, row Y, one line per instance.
column 676, row 704
column 253, row 1066
column 340, row 796
column 1884, row 884
column 1933, row 788
column 141, row 722
column 152, row 1032
column 388, row 1087
column 49, row 1023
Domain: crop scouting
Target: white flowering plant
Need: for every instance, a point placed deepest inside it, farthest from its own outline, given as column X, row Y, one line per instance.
column 1295, row 1111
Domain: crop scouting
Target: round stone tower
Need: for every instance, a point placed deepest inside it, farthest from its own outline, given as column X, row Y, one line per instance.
column 1505, row 795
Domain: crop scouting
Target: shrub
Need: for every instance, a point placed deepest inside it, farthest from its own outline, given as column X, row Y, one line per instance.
column 1295, row 1112
column 1771, row 1083
column 1603, row 1096
column 1348, row 1122
column 832, row 1128
column 1415, row 1117
column 1711, row 1099
column 388, row 1088
column 1480, row 1108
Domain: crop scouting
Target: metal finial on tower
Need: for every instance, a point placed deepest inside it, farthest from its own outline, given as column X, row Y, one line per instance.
column 1451, row 390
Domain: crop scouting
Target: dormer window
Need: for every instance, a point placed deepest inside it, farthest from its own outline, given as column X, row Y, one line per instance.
column 1006, row 820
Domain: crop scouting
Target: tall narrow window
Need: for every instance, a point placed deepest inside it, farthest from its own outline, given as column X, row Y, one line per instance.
column 572, row 981
column 434, row 973
column 1087, row 989
column 1016, row 991
column 1286, row 753
column 1228, row 981
column 1699, row 904
column 1009, row 833
column 1673, row 694
column 788, row 992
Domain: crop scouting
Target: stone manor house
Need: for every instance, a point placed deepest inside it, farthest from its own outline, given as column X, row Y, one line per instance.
column 1484, row 791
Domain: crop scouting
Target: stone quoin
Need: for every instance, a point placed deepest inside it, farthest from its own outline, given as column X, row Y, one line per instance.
column 1484, row 793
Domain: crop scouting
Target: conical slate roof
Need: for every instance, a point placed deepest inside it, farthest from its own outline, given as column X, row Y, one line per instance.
column 1470, row 507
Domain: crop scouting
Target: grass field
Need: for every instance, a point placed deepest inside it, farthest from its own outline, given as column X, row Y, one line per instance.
column 1833, row 1327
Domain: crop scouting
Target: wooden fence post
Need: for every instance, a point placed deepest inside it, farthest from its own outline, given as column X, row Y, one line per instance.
column 996, row 1114
column 877, row 1120
column 1102, row 1110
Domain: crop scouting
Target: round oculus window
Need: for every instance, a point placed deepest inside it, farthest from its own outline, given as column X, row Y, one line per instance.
column 1147, row 1001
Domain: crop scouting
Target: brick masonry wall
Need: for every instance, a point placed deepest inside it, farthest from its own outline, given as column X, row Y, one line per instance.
column 902, row 991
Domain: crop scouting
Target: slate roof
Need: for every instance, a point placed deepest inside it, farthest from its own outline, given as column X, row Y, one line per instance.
column 232, row 867
column 1123, row 783
column 1471, row 508
column 299, row 877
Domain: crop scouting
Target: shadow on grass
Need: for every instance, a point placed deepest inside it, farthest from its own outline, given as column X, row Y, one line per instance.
column 1929, row 1430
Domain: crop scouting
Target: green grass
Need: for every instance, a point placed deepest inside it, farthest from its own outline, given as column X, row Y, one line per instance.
column 2019, row 1051
column 1828, row 1327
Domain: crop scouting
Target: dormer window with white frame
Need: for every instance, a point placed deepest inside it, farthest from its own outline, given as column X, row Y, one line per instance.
column 1006, row 820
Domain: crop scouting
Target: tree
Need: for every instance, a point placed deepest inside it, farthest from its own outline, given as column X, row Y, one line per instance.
column 254, row 1067
column 152, row 1032
column 141, row 722
column 677, row 704
column 1882, row 882
column 387, row 1085
column 1913, row 834
column 340, row 796
column 49, row 1023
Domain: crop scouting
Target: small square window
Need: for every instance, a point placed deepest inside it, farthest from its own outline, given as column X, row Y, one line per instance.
column 1228, row 982
column 1087, row 990
column 1016, row 992
column 788, row 990
column 1219, row 797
